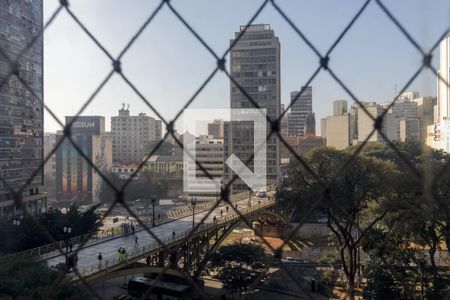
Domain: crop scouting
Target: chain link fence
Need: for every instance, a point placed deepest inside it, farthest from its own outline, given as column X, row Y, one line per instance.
column 323, row 66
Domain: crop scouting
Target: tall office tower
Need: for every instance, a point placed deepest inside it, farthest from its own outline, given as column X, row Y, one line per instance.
column 131, row 135
column 255, row 65
column 284, row 122
column 310, row 124
column 76, row 179
column 21, row 114
column 216, row 129
column 340, row 107
column 300, row 111
column 443, row 83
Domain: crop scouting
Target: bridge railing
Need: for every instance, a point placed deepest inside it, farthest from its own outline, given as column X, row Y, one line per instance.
column 140, row 252
column 49, row 250
column 185, row 211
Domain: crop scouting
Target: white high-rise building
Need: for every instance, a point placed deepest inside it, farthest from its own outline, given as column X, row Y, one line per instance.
column 443, row 83
column 442, row 115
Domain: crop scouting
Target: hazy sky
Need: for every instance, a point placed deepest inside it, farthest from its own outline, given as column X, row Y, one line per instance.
column 167, row 63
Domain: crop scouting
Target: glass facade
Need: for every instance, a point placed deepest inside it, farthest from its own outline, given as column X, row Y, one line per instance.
column 300, row 111
column 255, row 66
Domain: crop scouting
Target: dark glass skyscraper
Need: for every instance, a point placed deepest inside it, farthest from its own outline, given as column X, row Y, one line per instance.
column 255, row 65
column 21, row 114
column 300, row 111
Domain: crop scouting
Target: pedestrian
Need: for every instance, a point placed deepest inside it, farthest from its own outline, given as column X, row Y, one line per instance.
column 227, row 208
column 173, row 234
column 100, row 257
column 221, row 213
column 132, row 227
column 148, row 260
column 124, row 254
column 119, row 254
column 136, row 240
column 214, row 219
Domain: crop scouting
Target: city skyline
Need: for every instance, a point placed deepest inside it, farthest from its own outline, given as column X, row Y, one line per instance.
column 165, row 53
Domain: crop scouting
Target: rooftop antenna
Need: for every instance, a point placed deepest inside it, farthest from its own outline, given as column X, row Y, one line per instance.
column 123, row 105
column 395, row 91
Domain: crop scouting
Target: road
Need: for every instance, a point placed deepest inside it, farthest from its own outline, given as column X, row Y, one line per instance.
column 87, row 256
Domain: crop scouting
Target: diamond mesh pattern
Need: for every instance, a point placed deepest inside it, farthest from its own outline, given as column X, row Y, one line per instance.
column 322, row 66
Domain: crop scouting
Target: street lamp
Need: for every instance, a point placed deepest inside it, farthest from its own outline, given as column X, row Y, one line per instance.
column 153, row 200
column 193, row 203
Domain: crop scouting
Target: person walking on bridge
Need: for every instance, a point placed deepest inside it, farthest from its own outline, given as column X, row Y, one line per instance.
column 221, row 213
column 226, row 208
column 100, row 257
column 136, row 238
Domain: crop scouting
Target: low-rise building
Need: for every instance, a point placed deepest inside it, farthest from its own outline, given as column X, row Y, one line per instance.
column 125, row 170
column 165, row 164
column 209, row 153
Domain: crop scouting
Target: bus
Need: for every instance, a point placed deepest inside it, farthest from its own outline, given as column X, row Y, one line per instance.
column 161, row 289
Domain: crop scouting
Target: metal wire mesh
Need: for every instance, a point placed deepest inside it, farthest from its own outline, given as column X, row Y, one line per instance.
column 274, row 124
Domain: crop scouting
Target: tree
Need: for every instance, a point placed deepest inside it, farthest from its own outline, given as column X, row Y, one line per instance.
column 421, row 209
column 26, row 278
column 29, row 235
column 238, row 265
column 351, row 198
column 393, row 269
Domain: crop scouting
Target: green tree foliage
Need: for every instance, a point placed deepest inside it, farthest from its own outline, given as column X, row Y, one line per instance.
column 31, row 232
column 238, row 265
column 25, row 278
column 407, row 192
column 332, row 273
column 421, row 210
column 349, row 196
column 393, row 269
